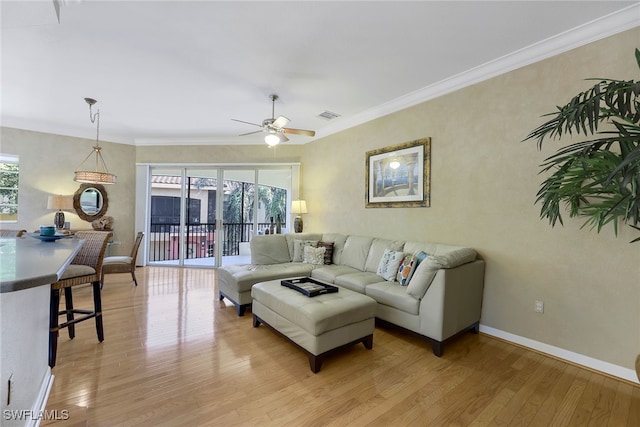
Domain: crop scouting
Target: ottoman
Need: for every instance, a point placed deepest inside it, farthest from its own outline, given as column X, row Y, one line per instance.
column 319, row 325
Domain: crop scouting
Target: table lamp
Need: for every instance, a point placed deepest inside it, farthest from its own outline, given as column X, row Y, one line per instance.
column 298, row 207
column 60, row 203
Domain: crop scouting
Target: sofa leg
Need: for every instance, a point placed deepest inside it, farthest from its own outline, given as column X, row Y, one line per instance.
column 241, row 308
column 220, row 296
column 436, row 346
column 315, row 363
column 475, row 328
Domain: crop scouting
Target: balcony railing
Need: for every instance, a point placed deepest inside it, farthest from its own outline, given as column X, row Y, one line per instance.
column 165, row 244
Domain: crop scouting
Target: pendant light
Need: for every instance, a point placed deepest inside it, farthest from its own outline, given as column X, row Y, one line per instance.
column 100, row 175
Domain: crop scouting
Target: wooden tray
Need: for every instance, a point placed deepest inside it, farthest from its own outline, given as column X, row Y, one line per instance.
column 309, row 287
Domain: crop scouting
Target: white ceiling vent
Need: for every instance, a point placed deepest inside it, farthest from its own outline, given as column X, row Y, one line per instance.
column 328, row 115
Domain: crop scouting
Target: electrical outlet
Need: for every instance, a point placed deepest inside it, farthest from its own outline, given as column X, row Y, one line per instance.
column 9, row 387
column 539, row 307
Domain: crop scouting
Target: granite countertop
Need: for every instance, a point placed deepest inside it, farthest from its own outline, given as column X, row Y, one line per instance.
column 26, row 262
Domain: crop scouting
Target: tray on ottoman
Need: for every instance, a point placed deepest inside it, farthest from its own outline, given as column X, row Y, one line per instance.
column 309, row 287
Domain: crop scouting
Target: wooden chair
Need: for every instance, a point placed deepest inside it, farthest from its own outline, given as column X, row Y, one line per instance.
column 123, row 264
column 85, row 268
column 12, row 233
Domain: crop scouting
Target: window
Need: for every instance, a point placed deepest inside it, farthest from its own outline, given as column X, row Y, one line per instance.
column 9, row 177
column 165, row 213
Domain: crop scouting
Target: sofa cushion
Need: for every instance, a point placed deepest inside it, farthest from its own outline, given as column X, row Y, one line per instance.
column 328, row 273
column 338, row 245
column 357, row 281
column 422, row 278
column 299, row 247
column 393, row 295
column 389, row 264
column 376, row 250
column 248, row 275
column 271, row 249
column 355, row 251
column 313, row 255
column 328, row 251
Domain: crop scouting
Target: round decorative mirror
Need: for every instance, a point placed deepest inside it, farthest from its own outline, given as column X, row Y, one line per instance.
column 90, row 201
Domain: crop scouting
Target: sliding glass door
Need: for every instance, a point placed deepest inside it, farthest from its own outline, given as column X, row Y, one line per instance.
column 206, row 216
column 182, row 216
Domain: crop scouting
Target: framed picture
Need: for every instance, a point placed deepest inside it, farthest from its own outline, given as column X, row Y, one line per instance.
column 399, row 176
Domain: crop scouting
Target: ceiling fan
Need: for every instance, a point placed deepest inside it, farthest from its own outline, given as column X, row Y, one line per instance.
column 275, row 128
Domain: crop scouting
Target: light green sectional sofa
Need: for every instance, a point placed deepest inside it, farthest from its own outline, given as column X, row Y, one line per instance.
column 443, row 296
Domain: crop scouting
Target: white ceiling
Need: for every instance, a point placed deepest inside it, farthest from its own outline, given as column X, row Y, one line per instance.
column 177, row 71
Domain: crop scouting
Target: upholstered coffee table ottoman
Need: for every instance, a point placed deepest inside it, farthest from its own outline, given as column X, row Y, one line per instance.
column 319, row 325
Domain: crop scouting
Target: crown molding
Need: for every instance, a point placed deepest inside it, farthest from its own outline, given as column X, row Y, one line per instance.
column 606, row 26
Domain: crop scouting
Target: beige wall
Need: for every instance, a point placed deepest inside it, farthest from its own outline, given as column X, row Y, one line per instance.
column 219, row 154
column 484, row 182
column 47, row 163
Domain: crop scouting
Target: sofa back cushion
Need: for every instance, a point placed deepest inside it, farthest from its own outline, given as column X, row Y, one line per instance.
column 376, row 250
column 338, row 245
column 270, row 249
column 355, row 252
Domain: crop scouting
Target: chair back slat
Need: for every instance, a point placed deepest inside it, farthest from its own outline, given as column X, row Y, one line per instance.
column 136, row 245
column 93, row 248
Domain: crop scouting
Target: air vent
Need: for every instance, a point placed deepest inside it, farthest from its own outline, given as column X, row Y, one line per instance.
column 328, row 115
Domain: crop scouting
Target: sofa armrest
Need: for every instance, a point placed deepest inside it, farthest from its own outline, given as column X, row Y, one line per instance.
column 453, row 302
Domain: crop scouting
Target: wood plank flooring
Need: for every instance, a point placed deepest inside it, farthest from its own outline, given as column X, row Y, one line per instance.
column 174, row 355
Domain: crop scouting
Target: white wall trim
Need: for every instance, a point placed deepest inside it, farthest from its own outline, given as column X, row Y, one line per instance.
column 560, row 353
column 40, row 405
column 614, row 23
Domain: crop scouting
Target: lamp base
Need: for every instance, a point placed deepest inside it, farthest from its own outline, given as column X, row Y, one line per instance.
column 297, row 224
column 58, row 220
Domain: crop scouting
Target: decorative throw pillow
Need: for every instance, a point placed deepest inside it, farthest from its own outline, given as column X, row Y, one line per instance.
column 389, row 263
column 298, row 248
column 406, row 269
column 328, row 251
column 421, row 256
column 313, row 255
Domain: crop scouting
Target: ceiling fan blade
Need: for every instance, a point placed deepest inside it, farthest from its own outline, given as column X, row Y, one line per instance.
column 280, row 122
column 249, row 123
column 299, row 132
column 250, row 133
column 282, row 137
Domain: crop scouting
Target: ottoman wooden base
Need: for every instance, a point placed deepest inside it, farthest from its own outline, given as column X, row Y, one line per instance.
column 315, row 360
column 319, row 325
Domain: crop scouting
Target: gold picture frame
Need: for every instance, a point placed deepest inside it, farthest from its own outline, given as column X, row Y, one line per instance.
column 399, row 176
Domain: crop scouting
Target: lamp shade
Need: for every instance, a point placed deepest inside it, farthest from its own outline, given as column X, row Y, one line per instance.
column 60, row 202
column 299, row 207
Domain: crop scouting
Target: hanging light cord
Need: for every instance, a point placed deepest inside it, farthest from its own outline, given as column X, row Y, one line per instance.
column 99, row 160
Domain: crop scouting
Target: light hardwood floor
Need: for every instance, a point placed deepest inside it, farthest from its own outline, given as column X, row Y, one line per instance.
column 174, row 355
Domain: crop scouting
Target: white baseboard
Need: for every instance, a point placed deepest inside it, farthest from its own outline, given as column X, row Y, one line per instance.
column 569, row 356
column 40, row 405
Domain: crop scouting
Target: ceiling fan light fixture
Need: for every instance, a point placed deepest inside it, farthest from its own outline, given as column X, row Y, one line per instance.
column 272, row 140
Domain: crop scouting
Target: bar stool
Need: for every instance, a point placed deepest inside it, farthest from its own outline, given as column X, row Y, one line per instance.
column 85, row 268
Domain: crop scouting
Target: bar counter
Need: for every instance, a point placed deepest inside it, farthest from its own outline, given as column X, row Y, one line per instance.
column 27, row 268
column 26, row 262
